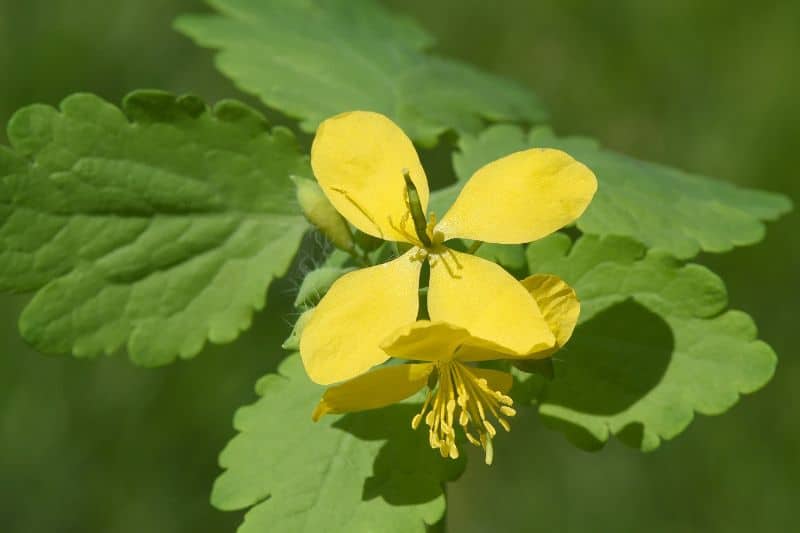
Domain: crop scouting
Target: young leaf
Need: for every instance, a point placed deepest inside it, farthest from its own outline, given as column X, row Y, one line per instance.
column 654, row 344
column 157, row 226
column 317, row 58
column 362, row 472
column 662, row 207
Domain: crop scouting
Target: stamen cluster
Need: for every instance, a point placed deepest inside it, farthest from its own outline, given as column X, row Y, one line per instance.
column 458, row 388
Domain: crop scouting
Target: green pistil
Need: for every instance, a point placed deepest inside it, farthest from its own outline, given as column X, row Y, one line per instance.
column 417, row 215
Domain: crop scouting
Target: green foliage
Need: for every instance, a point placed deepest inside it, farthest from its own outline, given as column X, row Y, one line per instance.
column 510, row 256
column 652, row 348
column 362, row 472
column 316, row 58
column 157, row 226
column 662, row 207
column 654, row 344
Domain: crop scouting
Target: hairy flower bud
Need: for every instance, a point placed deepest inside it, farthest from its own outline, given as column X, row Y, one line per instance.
column 319, row 211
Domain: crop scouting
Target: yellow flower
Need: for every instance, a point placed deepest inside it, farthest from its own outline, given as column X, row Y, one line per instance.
column 370, row 172
column 474, row 398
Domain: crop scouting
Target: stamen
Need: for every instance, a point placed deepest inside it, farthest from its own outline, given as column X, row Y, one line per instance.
column 460, row 391
column 454, row 257
column 359, row 207
column 508, row 411
column 488, row 448
column 446, row 264
column 403, row 231
column 436, row 237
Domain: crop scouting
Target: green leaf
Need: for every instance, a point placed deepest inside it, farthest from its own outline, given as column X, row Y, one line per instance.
column 358, row 473
column 662, row 207
column 653, row 347
column 316, row 58
column 510, row 256
column 157, row 226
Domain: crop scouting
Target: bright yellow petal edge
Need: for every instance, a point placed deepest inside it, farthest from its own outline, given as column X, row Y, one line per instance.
column 559, row 305
column 342, row 337
column 480, row 296
column 359, row 159
column 378, row 388
column 472, row 398
column 520, row 198
column 560, row 309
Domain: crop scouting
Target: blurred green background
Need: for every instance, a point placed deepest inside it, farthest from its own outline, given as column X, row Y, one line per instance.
column 708, row 86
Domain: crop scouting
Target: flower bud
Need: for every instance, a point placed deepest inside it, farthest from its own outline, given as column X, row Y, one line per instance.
column 321, row 213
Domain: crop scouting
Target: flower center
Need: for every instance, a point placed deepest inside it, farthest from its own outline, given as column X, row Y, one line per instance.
column 463, row 396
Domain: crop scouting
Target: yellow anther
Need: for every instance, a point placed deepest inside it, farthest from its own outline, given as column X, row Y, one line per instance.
column 453, row 451
column 508, row 411
column 360, row 208
column 460, row 389
column 488, row 451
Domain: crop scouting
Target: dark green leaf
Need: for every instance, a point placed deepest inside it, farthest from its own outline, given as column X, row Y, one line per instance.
column 317, row 58
column 662, row 207
column 157, row 227
column 358, row 473
column 653, row 347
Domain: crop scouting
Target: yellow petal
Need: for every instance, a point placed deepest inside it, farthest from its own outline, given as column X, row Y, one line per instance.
column 495, row 379
column 358, row 159
column 378, row 388
column 481, row 297
column 342, row 338
column 520, row 198
column 425, row 341
column 559, row 305
column 560, row 308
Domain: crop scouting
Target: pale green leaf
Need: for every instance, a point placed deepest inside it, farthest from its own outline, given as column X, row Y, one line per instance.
column 364, row 472
column 662, row 207
column 155, row 227
column 654, row 345
column 313, row 59
column 511, row 256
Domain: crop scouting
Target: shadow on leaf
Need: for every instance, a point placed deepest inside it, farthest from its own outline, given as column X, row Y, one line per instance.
column 406, row 470
column 613, row 361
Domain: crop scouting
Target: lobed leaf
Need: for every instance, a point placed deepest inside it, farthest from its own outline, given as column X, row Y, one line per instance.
column 653, row 345
column 362, row 472
column 317, row 58
column 662, row 207
column 157, row 226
